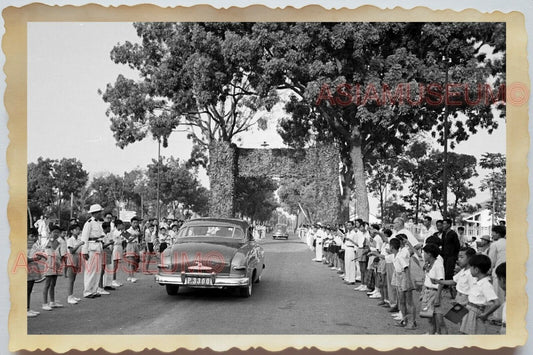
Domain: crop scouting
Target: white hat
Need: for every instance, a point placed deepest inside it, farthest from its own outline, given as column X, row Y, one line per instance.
column 95, row 208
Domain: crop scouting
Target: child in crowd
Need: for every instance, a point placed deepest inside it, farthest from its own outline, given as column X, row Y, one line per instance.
column 132, row 249
column 501, row 275
column 118, row 250
column 53, row 268
column 462, row 280
column 33, row 275
column 163, row 239
column 401, row 280
column 73, row 260
column 381, row 271
column 431, row 291
column 107, row 242
column 482, row 300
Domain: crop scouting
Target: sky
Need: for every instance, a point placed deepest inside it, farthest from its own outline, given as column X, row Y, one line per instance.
column 69, row 62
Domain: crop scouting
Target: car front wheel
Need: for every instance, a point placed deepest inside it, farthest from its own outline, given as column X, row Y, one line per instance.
column 172, row 290
column 247, row 291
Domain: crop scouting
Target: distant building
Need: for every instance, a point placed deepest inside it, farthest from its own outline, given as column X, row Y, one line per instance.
column 480, row 223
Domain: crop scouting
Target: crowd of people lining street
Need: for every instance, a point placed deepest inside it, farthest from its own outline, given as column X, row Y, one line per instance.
column 104, row 242
column 409, row 275
column 439, row 274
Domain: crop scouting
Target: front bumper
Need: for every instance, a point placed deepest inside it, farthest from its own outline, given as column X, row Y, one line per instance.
column 219, row 280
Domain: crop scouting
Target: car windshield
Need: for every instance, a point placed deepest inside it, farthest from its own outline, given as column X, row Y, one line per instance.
column 211, row 231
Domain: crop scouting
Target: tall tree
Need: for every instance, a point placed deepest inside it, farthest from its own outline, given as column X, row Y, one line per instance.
column 461, row 167
column 383, row 178
column 178, row 186
column 108, row 191
column 495, row 182
column 198, row 75
column 416, row 166
column 40, row 185
column 339, row 74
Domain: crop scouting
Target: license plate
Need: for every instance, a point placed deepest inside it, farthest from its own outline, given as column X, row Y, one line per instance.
column 199, row 281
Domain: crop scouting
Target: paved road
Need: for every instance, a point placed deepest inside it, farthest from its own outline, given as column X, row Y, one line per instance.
column 295, row 296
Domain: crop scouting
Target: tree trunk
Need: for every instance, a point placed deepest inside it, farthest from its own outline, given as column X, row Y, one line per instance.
column 346, row 193
column 417, row 202
column 361, row 194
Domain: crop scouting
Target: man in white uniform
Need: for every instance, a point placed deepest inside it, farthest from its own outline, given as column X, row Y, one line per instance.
column 349, row 254
column 319, row 237
column 92, row 251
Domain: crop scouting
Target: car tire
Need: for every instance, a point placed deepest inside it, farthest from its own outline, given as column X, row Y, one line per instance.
column 172, row 290
column 247, row 291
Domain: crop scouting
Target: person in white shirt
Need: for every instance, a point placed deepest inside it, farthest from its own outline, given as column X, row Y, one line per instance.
column 319, row 238
column 482, row 300
column 118, row 250
column 43, row 227
column 497, row 255
column 501, row 275
column 149, row 238
column 399, row 228
column 173, row 234
column 462, row 280
column 311, row 237
column 73, row 262
column 363, row 248
column 132, row 252
column 427, row 230
column 92, row 251
column 431, row 293
column 349, row 254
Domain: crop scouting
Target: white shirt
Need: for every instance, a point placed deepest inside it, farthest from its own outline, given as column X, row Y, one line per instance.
column 399, row 262
column 361, row 237
column 350, row 238
column 497, row 252
column 464, row 281
column 410, row 237
column 92, row 229
column 425, row 233
column 482, row 292
column 436, row 272
column 73, row 242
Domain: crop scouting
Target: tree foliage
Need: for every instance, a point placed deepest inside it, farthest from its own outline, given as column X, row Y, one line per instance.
column 255, row 197
column 306, row 56
column 51, row 181
column 178, row 186
column 495, row 181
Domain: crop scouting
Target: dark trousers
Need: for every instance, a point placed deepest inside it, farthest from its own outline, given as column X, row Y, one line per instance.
column 449, row 267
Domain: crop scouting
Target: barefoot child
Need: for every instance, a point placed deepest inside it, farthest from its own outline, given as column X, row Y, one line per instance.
column 482, row 300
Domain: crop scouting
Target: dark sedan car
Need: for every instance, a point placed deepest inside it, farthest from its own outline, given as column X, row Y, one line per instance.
column 212, row 253
column 280, row 231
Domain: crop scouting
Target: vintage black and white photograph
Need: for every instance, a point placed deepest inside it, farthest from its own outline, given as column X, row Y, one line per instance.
column 266, row 178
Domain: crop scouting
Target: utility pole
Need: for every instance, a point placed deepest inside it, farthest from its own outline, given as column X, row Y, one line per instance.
column 445, row 168
column 158, row 177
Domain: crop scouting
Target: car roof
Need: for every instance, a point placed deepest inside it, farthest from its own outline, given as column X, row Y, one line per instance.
column 217, row 221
